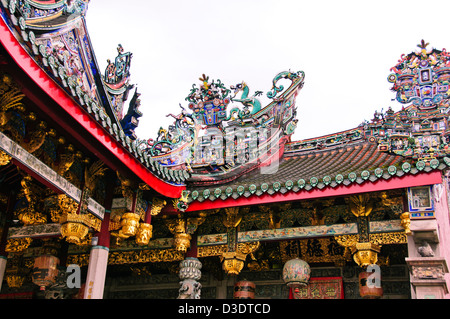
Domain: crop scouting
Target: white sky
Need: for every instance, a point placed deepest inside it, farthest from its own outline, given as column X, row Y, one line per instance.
column 345, row 48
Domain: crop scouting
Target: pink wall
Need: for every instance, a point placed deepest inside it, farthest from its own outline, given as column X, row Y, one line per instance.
column 441, row 196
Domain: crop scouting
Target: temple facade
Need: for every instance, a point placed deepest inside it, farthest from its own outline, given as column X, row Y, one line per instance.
column 223, row 203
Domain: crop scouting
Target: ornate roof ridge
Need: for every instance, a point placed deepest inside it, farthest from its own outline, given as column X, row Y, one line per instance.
column 70, row 81
column 398, row 168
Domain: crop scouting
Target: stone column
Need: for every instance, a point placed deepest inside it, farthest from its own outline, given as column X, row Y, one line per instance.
column 95, row 280
column 427, row 248
column 427, row 277
column 189, row 274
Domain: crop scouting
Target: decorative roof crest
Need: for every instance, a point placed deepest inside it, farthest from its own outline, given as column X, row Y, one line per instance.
column 422, row 78
column 209, row 101
column 118, row 72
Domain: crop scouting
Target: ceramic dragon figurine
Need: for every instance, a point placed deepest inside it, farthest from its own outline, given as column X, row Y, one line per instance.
column 252, row 105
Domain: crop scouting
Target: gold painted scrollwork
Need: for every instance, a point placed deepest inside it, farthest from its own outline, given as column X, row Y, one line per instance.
column 157, row 206
column 248, row 248
column 143, row 256
column 209, row 251
column 347, row 240
column 388, row 238
column 4, row 158
column 15, row 245
column 80, row 260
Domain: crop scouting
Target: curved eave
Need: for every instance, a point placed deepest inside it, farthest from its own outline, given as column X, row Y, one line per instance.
column 394, row 182
column 43, row 81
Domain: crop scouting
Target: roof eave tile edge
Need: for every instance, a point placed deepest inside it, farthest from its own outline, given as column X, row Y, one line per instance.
column 316, row 183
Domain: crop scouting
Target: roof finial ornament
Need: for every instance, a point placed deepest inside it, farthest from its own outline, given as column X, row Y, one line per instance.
column 423, row 45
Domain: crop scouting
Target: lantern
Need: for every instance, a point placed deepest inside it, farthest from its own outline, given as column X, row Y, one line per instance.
column 244, row 290
column 369, row 288
column 296, row 273
column 130, row 224
column 73, row 228
column 45, row 270
column 365, row 253
column 233, row 262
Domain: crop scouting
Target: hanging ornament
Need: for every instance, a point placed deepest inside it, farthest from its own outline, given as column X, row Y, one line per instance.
column 296, row 273
column 45, row 269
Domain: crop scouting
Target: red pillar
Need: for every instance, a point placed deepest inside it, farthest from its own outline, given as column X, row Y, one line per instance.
column 98, row 259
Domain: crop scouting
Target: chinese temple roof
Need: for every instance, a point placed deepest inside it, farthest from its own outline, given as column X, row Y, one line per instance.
column 224, row 139
column 54, row 36
column 357, row 163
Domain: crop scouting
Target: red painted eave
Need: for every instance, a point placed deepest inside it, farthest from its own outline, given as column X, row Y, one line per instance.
column 44, row 82
column 420, row 179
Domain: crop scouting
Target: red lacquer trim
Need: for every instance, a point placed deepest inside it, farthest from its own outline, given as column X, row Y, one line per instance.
column 422, row 179
column 57, row 94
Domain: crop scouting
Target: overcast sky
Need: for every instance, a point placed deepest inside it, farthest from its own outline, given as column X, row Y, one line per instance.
column 345, row 48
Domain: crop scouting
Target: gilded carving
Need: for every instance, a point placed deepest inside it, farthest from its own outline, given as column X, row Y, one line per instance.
column 15, row 245
column 218, row 250
column 157, row 206
column 129, row 223
column 388, row 238
column 347, row 240
column 126, row 187
column 92, row 221
column 208, row 251
column 80, row 260
column 232, row 217
column 10, row 98
column 36, row 138
column 192, row 223
column 181, row 239
column 360, row 205
column 248, row 248
column 61, row 204
column 92, row 174
column 365, row 254
column 27, row 214
column 4, row 158
column 14, row 280
column 73, row 228
column 143, row 256
column 144, row 234
column 406, row 222
column 232, row 262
